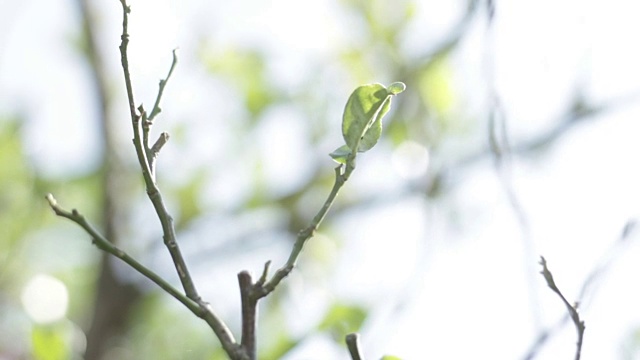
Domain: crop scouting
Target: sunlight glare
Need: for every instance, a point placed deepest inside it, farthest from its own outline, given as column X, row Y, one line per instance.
column 410, row 160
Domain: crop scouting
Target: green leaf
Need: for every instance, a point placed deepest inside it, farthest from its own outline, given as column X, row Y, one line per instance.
column 371, row 136
column 342, row 319
column 359, row 115
column 396, row 88
column 49, row 343
column 390, row 357
column 362, row 117
column 340, row 154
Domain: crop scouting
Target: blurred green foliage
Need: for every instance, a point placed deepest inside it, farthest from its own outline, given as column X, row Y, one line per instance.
column 245, row 70
column 50, row 343
column 342, row 319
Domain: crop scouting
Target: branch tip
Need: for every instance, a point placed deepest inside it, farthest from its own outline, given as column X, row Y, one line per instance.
column 265, row 274
column 353, row 344
column 51, row 200
column 571, row 309
column 157, row 146
column 161, row 85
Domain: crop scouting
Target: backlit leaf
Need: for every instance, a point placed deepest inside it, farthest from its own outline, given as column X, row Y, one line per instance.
column 359, row 115
column 362, row 117
column 396, row 88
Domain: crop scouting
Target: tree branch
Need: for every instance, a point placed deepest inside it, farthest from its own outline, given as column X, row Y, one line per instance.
column 304, row 235
column 596, row 273
column 155, row 196
column 146, row 157
column 156, row 106
column 200, row 308
column 249, row 314
column 155, row 150
column 572, row 309
column 251, row 292
column 105, row 245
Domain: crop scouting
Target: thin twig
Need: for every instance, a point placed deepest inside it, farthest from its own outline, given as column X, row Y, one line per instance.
column 265, row 273
column 572, row 309
column 595, row 275
column 306, row 234
column 105, row 245
column 147, row 123
column 145, row 156
column 200, row 309
column 156, row 106
column 152, row 189
column 251, row 292
column 155, row 150
column 342, row 174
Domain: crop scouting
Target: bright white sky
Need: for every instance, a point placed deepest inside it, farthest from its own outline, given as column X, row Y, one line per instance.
column 472, row 297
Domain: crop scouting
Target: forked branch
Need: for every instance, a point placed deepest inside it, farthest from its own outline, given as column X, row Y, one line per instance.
column 140, row 141
column 572, row 309
column 365, row 108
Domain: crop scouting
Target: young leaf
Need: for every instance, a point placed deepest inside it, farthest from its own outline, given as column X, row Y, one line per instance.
column 340, row 154
column 359, row 113
column 372, row 134
column 396, row 88
column 362, row 117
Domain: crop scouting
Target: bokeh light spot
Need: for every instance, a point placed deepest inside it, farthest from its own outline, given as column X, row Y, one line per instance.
column 410, row 160
column 45, row 299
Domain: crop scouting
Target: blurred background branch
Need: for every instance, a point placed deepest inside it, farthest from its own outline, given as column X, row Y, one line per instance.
column 115, row 297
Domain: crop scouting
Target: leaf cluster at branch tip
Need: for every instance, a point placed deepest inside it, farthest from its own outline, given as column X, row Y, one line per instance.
column 362, row 118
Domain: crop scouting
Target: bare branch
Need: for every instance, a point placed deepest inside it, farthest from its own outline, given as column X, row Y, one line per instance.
column 200, row 309
column 304, row 235
column 265, row 274
column 155, row 150
column 105, row 245
column 251, row 292
column 597, row 272
column 163, row 82
column 146, row 156
column 152, row 189
column 572, row 309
